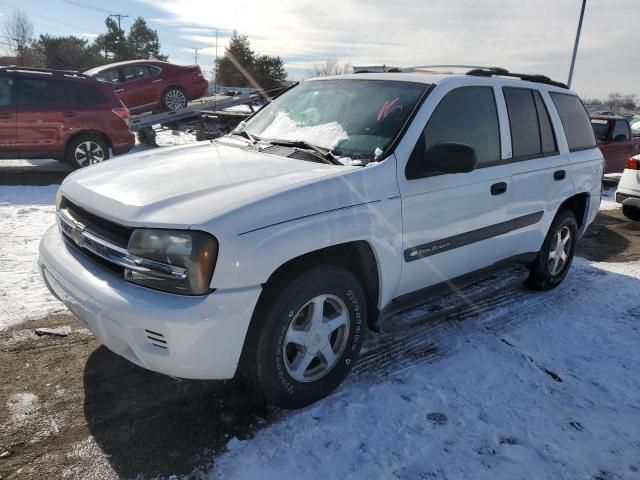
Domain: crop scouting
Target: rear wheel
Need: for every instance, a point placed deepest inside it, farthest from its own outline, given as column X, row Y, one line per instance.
column 174, row 98
column 85, row 150
column 308, row 337
column 555, row 257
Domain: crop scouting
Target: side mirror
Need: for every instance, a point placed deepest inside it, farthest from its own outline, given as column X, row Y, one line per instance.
column 449, row 158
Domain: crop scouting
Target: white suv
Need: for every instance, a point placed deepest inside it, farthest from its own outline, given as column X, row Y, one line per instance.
column 272, row 251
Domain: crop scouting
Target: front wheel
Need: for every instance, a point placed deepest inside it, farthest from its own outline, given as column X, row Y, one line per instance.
column 554, row 259
column 308, row 337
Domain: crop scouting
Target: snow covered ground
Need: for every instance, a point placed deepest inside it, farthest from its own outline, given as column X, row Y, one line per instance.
column 540, row 386
column 536, row 386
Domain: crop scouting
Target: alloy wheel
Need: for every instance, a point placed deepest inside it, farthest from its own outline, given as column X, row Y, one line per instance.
column 88, row 153
column 560, row 249
column 316, row 338
column 175, row 99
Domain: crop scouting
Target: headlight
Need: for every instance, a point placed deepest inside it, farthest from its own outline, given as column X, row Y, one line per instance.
column 193, row 251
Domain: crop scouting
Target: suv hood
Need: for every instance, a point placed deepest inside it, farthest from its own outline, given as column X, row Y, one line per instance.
column 186, row 185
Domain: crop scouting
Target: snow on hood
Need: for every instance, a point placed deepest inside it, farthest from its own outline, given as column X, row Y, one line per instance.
column 326, row 135
column 185, row 185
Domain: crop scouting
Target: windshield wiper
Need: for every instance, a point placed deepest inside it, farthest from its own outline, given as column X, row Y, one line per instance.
column 322, row 153
column 253, row 139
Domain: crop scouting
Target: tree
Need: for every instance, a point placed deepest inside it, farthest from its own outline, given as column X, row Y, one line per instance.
column 112, row 44
column 18, row 30
column 329, row 67
column 142, row 41
column 241, row 67
column 269, row 71
column 66, row 53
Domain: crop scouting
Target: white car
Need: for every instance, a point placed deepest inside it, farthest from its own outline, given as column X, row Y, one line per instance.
column 273, row 252
column 629, row 188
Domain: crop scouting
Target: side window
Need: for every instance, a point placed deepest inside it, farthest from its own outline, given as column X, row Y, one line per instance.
column 153, row 70
column 465, row 115
column 6, row 84
column 547, row 137
column 135, row 72
column 600, row 129
column 40, row 92
column 110, row 76
column 523, row 121
column 620, row 131
column 575, row 121
column 85, row 95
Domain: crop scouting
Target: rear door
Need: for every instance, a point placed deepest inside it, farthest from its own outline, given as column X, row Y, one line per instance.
column 541, row 180
column 452, row 223
column 8, row 134
column 45, row 117
column 138, row 87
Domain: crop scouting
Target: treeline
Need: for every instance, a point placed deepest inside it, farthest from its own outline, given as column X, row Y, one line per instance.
column 615, row 101
column 71, row 52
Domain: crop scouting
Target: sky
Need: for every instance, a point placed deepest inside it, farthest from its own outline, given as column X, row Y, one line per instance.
column 528, row 36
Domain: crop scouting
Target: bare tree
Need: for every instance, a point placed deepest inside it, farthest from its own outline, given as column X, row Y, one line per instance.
column 331, row 66
column 18, row 33
column 615, row 101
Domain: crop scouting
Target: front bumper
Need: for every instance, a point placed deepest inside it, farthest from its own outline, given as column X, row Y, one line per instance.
column 189, row 337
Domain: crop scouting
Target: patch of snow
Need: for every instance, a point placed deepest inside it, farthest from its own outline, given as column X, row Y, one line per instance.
column 607, row 201
column 21, row 406
column 25, row 213
column 545, row 385
column 326, row 135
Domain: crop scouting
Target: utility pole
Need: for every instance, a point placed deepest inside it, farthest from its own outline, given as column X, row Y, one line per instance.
column 575, row 45
column 119, row 17
column 215, row 77
column 195, row 53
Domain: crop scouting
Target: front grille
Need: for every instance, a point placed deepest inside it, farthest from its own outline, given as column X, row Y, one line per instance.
column 115, row 233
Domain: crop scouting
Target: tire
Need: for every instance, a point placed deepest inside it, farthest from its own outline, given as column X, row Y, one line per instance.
column 631, row 209
column 174, row 98
column 544, row 272
column 288, row 361
column 85, row 150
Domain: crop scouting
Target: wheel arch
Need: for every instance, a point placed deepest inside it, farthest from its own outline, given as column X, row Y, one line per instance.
column 579, row 205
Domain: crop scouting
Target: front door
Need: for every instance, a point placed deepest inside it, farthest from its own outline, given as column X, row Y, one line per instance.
column 452, row 223
column 8, row 136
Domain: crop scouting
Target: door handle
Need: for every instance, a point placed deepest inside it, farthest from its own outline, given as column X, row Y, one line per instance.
column 157, row 81
column 559, row 175
column 69, row 114
column 498, row 188
column 119, row 90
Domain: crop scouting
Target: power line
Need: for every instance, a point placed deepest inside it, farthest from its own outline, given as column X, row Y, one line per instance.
column 43, row 16
column 78, row 3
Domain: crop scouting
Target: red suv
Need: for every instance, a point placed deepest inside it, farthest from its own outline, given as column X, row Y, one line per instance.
column 61, row 114
column 150, row 85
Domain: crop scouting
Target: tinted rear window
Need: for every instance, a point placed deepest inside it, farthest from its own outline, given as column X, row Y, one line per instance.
column 547, row 136
column 40, row 92
column 85, row 95
column 575, row 121
column 523, row 120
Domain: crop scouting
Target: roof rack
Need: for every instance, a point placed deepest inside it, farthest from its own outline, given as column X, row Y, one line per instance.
column 502, row 72
column 68, row 73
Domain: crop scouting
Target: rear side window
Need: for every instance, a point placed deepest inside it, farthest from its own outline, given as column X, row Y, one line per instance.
column 600, row 129
column 111, row 76
column 620, row 131
column 531, row 132
column 85, row 95
column 41, row 93
column 5, row 91
column 153, row 70
column 135, row 72
column 465, row 115
column 575, row 121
